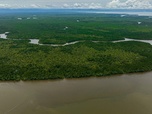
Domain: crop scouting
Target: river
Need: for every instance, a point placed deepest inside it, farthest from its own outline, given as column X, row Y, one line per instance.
column 119, row 94
column 36, row 41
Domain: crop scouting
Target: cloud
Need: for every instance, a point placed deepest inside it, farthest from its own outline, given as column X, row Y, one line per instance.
column 66, row 5
column 95, row 5
column 81, row 5
column 125, row 4
column 87, row 5
column 4, row 5
column 130, row 4
column 77, row 5
column 35, row 6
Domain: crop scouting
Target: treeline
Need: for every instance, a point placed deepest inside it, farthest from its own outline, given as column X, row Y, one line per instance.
column 23, row 61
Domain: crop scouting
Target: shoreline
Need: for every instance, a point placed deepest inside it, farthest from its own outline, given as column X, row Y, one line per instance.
column 76, row 78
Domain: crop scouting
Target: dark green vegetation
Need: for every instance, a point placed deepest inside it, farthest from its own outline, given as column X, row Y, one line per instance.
column 20, row 60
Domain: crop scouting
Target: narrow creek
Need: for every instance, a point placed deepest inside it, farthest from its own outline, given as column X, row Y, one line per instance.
column 36, row 41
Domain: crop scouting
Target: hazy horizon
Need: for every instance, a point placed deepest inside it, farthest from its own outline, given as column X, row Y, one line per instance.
column 76, row 4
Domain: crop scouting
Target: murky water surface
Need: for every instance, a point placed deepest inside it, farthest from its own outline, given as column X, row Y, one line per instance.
column 120, row 94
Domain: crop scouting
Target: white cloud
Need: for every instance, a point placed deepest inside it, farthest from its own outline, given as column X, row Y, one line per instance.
column 131, row 4
column 66, row 5
column 77, row 5
column 125, row 4
column 95, row 5
column 4, row 5
column 34, row 6
column 87, row 5
column 113, row 4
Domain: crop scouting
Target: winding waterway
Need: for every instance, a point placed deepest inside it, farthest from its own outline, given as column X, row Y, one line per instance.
column 128, row 39
column 119, row 94
column 36, row 41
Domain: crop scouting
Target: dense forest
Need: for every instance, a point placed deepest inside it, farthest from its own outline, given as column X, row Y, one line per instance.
column 20, row 60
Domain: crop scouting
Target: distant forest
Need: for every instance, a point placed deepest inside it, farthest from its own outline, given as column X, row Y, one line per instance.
column 95, row 55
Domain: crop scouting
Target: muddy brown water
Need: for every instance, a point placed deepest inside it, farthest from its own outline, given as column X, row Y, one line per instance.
column 119, row 94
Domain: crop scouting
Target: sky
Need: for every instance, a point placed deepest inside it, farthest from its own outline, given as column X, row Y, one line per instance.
column 92, row 4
